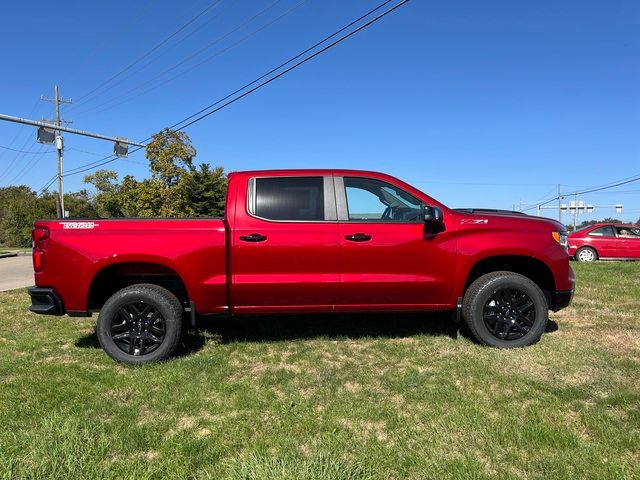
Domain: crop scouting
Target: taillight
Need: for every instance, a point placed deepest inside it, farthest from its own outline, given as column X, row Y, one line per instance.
column 39, row 234
column 37, row 259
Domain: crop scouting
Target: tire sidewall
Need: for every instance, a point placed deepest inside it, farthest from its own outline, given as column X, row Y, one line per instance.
column 153, row 297
column 517, row 282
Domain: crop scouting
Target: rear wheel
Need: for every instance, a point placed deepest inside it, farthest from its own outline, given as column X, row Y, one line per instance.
column 586, row 254
column 140, row 324
column 505, row 310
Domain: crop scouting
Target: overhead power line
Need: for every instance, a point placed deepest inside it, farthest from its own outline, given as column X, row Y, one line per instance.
column 47, row 185
column 599, row 188
column 22, row 151
column 615, row 183
column 152, row 60
column 200, row 114
column 11, row 163
column 151, row 51
column 292, row 67
column 140, row 90
column 94, row 53
column 26, row 168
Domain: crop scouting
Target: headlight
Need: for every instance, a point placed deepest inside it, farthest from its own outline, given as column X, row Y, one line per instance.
column 561, row 238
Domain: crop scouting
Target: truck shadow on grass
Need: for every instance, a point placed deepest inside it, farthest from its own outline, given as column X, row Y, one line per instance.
column 273, row 328
column 305, row 327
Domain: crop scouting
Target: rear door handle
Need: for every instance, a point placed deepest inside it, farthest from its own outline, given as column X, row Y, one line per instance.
column 254, row 237
column 358, row 237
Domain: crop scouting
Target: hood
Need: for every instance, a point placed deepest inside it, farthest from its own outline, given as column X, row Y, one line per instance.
column 478, row 217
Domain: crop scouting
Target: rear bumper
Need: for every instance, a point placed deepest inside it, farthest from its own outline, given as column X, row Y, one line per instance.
column 45, row 301
column 561, row 299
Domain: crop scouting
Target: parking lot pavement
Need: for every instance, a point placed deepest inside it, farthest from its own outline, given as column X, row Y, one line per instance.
column 16, row 272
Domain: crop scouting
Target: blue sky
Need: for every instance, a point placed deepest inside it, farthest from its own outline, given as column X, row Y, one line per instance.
column 476, row 103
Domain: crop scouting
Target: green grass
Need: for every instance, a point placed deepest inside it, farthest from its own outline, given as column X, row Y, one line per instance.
column 362, row 397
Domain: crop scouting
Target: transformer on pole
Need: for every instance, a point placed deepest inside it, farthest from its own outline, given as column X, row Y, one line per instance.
column 50, row 132
column 59, row 143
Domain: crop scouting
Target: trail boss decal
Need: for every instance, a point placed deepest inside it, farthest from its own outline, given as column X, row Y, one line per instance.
column 79, row 225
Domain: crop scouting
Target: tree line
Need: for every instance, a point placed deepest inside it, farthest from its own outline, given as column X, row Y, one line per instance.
column 175, row 188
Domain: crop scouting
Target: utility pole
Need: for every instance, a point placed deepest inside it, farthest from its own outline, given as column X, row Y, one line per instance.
column 559, row 205
column 50, row 132
column 576, row 208
column 59, row 148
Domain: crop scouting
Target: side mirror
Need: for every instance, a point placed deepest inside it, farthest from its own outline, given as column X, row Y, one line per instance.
column 433, row 219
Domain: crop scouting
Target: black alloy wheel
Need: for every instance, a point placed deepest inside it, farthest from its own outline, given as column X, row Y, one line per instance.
column 505, row 310
column 509, row 314
column 141, row 323
column 138, row 328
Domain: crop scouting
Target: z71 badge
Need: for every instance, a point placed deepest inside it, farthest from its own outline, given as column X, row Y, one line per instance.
column 474, row 221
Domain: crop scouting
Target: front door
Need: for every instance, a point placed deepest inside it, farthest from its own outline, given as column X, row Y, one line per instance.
column 386, row 259
column 628, row 241
column 285, row 246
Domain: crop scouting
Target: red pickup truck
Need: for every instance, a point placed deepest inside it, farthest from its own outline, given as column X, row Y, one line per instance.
column 301, row 241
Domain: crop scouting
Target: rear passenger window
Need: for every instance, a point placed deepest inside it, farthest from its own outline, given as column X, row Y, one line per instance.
column 602, row 232
column 289, row 198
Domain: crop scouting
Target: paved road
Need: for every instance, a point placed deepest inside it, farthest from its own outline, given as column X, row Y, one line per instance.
column 16, row 272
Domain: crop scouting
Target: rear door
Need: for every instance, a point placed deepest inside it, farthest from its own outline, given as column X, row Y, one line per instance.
column 386, row 260
column 285, row 245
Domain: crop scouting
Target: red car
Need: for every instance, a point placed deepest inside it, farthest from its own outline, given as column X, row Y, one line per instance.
column 605, row 241
column 300, row 241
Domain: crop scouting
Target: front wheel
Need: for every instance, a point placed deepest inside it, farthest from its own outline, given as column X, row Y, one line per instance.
column 140, row 324
column 505, row 310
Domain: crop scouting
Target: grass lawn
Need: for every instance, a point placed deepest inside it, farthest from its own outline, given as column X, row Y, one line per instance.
column 362, row 397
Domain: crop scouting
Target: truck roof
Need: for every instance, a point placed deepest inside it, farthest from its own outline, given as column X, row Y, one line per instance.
column 308, row 171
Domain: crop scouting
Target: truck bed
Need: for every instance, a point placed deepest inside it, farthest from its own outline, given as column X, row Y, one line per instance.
column 191, row 249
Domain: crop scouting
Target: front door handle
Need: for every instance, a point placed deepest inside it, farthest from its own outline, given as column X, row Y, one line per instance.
column 254, row 237
column 358, row 237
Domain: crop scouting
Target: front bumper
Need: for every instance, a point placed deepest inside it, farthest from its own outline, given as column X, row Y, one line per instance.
column 561, row 299
column 45, row 301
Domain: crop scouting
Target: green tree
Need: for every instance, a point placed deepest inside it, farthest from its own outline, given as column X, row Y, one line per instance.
column 170, row 155
column 78, row 204
column 19, row 208
column 144, row 199
column 107, row 200
column 176, row 188
column 203, row 192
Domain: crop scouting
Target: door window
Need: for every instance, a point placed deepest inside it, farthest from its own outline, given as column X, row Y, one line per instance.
column 628, row 232
column 370, row 200
column 289, row 198
column 602, row 232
